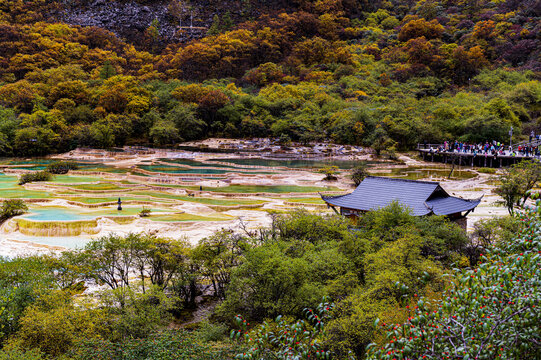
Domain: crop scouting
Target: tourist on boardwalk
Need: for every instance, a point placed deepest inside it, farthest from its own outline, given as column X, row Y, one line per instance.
column 494, row 148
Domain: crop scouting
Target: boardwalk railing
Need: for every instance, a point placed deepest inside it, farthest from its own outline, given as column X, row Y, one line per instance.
column 534, row 143
column 428, row 146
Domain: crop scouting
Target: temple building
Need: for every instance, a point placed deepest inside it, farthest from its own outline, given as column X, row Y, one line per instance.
column 421, row 197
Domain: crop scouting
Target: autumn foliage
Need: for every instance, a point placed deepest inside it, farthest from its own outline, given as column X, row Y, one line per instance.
column 344, row 70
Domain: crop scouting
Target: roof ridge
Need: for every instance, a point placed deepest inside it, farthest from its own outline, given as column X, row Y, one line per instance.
column 459, row 198
column 404, row 180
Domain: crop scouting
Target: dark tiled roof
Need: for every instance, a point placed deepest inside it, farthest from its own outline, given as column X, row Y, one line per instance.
column 451, row 205
column 377, row 192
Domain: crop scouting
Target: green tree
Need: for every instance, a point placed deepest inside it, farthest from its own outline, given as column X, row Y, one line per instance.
column 188, row 125
column 516, row 183
column 107, row 70
column 22, row 280
column 215, row 28
column 35, row 141
column 330, row 173
column 8, row 125
column 219, row 255
column 164, row 132
column 358, row 174
column 102, row 134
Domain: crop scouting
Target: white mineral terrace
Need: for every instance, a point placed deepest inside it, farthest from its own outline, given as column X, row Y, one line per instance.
column 193, row 215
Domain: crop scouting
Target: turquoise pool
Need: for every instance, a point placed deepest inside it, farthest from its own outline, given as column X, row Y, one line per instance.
column 176, row 170
column 53, row 213
column 195, row 163
column 57, row 214
column 295, row 163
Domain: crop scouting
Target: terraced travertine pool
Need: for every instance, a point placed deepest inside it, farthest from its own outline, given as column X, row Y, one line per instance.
column 198, row 164
column 418, row 173
column 199, row 170
column 295, row 163
column 58, row 213
column 176, row 206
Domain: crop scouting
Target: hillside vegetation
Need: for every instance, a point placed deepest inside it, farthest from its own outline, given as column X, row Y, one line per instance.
column 386, row 74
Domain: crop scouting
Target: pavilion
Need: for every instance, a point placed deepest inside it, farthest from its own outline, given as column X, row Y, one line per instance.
column 421, row 197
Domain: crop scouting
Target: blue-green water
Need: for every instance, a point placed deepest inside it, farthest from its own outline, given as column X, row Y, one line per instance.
column 57, row 214
column 176, row 170
column 54, row 213
column 294, row 163
column 195, row 163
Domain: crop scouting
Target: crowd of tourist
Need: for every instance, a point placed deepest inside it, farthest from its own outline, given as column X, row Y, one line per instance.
column 493, row 148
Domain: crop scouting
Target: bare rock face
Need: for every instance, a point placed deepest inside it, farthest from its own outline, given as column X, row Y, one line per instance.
column 130, row 19
column 177, row 20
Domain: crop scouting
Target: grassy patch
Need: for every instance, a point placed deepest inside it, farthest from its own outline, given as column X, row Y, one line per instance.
column 97, row 200
column 71, row 179
column 278, row 189
column 123, row 220
column 188, row 217
column 485, row 170
column 100, row 186
column 201, row 200
column 126, row 211
column 24, row 194
column 314, row 200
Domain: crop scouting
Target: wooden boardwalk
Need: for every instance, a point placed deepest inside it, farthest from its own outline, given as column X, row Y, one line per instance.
column 429, row 153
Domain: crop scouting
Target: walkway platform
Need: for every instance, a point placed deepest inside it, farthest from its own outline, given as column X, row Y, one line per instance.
column 468, row 159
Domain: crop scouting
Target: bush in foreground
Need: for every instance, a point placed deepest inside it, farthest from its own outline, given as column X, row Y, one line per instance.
column 491, row 312
column 163, row 345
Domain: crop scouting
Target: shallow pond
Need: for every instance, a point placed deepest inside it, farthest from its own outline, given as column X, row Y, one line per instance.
column 201, row 170
column 296, row 163
column 54, row 213
column 424, row 173
column 248, row 189
column 195, row 163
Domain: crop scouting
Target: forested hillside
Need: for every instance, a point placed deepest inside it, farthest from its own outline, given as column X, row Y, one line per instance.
column 386, row 74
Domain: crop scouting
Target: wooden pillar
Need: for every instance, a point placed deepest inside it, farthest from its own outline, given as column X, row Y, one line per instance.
column 485, row 161
column 500, row 162
column 432, row 157
column 491, row 162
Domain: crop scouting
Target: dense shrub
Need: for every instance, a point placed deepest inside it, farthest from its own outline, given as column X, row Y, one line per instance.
column 62, row 167
column 490, row 312
column 11, row 208
column 165, row 345
column 35, row 176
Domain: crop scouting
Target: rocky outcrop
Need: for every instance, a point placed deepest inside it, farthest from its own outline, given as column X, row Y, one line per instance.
column 178, row 21
column 130, row 20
